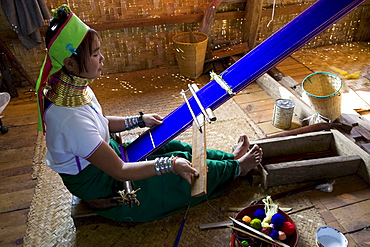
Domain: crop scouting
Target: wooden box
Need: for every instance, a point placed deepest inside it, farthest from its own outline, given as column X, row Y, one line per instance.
column 309, row 157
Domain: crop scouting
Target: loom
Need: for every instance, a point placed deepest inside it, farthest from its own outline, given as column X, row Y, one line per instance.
column 246, row 70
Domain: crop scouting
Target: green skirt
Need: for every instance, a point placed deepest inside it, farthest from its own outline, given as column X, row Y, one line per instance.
column 159, row 196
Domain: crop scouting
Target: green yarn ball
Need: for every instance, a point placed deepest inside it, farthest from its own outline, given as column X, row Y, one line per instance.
column 244, row 243
column 256, row 224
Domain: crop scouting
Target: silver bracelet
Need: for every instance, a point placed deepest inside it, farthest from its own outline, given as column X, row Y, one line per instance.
column 163, row 165
column 131, row 122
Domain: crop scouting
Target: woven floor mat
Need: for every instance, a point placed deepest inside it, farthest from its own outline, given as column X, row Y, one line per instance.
column 50, row 222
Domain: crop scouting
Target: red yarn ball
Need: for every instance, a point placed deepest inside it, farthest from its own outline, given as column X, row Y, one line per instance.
column 288, row 228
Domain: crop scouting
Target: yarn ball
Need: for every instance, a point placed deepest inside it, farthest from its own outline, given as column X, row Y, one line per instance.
column 274, row 234
column 282, row 235
column 246, row 218
column 260, row 214
column 256, row 224
column 288, row 228
column 244, row 243
column 266, row 230
column 277, row 220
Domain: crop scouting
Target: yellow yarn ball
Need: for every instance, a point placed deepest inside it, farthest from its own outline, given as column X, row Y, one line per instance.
column 246, row 218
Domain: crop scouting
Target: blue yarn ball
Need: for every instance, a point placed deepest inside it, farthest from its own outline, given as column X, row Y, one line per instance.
column 274, row 234
column 278, row 220
column 260, row 214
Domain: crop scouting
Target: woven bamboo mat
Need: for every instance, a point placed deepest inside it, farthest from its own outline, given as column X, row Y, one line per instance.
column 50, row 222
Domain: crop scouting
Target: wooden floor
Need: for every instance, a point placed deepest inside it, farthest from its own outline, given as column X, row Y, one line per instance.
column 347, row 208
column 16, row 184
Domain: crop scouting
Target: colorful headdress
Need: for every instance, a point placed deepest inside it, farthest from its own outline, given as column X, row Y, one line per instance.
column 64, row 43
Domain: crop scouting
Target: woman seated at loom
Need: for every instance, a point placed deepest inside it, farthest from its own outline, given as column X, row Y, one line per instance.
column 78, row 135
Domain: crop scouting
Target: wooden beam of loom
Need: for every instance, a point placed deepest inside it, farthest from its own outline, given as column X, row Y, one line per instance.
column 199, row 156
column 199, row 153
column 253, row 11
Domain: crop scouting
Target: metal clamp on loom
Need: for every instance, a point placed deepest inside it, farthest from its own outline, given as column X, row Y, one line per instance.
column 220, row 81
column 208, row 113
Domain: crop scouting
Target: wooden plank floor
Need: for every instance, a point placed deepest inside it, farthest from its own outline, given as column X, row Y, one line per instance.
column 16, row 185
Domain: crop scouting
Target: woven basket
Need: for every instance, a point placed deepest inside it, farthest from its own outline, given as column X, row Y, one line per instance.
column 190, row 56
column 323, row 91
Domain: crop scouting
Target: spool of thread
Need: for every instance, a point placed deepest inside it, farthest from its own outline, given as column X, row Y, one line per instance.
column 283, row 113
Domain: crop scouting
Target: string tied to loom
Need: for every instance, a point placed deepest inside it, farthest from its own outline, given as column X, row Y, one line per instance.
column 273, row 13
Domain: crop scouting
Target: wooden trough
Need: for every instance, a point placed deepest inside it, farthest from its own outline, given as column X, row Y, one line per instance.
column 311, row 156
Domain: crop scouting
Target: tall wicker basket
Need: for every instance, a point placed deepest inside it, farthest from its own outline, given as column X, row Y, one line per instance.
column 324, row 92
column 190, row 56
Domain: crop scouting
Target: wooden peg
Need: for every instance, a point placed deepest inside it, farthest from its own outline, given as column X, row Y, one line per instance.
column 193, row 38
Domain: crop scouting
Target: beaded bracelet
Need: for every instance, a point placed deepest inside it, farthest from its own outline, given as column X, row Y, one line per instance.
column 173, row 164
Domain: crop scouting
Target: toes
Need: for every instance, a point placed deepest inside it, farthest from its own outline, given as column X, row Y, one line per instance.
column 257, row 152
column 243, row 138
column 254, row 148
column 257, row 158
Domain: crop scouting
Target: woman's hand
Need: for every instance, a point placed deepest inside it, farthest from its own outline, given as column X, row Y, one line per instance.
column 184, row 169
column 152, row 120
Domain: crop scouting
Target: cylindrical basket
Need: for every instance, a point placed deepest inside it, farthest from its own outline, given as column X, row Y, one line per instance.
column 324, row 93
column 190, row 56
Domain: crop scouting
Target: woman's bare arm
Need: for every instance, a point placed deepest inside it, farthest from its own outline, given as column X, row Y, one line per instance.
column 117, row 124
column 106, row 159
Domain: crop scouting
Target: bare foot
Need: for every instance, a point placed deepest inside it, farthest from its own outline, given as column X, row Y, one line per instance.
column 250, row 160
column 242, row 147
